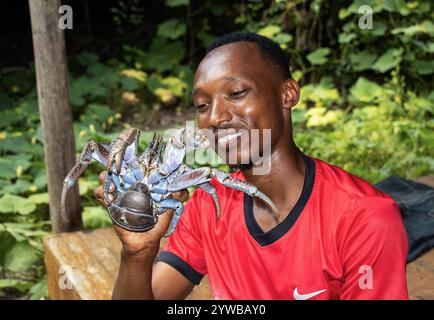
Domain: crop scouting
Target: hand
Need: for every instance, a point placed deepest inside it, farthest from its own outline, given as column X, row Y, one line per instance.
column 140, row 244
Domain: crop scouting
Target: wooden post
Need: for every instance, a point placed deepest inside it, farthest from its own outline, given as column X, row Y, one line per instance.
column 55, row 112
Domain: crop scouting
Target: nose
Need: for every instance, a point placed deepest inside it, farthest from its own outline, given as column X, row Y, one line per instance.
column 220, row 114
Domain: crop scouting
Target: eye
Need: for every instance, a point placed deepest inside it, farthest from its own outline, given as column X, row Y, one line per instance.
column 201, row 107
column 238, row 94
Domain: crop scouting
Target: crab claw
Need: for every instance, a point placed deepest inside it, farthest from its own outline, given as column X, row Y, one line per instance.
column 92, row 151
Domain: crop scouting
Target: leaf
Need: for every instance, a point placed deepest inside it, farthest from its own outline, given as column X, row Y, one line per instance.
column 87, row 185
column 177, row 3
column 18, row 144
column 362, row 60
column 396, row 6
column 162, row 55
column 426, row 27
column 346, row 37
column 40, row 198
column 390, row 59
column 175, row 85
column 16, row 204
column 95, row 217
column 135, row 74
column 283, row 39
column 319, row 56
column 129, row 84
column 20, row 285
column 20, row 186
column 87, row 58
column 205, row 38
column 171, row 29
column 39, row 291
column 365, row 90
column 423, row 67
column 41, row 180
column 269, row 31
column 9, row 165
column 21, row 257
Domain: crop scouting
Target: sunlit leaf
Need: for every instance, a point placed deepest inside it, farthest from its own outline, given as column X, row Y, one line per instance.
column 365, row 90
column 319, row 56
column 390, row 59
column 16, row 204
column 21, row 257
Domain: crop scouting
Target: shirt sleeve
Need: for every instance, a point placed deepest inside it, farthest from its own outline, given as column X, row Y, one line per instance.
column 373, row 248
column 184, row 250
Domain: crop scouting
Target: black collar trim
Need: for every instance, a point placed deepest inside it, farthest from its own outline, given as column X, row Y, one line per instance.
column 266, row 238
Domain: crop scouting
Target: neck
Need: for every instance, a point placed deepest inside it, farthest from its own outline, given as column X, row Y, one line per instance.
column 284, row 182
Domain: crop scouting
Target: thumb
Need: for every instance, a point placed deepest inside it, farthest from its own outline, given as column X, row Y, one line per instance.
column 163, row 222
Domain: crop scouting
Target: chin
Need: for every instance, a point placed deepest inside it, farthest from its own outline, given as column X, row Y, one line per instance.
column 236, row 158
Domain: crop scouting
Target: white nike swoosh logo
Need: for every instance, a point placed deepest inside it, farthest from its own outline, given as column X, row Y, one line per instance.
column 298, row 296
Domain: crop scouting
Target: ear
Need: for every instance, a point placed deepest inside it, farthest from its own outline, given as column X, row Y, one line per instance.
column 290, row 93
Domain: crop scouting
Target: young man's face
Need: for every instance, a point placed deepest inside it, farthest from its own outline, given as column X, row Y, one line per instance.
column 235, row 88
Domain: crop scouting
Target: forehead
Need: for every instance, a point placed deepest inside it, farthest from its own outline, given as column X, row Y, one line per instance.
column 240, row 60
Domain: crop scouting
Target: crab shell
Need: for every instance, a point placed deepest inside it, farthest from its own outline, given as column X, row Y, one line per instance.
column 133, row 209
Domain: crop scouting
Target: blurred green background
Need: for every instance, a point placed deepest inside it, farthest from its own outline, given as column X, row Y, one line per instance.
column 366, row 104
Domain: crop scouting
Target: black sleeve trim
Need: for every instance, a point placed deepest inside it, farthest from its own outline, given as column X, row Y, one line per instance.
column 183, row 267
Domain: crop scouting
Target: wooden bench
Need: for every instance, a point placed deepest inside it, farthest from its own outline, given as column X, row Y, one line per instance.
column 83, row 265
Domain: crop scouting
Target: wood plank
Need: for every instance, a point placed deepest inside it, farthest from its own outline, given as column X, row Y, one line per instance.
column 91, row 261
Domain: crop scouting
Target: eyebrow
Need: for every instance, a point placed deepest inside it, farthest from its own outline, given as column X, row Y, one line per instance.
column 230, row 78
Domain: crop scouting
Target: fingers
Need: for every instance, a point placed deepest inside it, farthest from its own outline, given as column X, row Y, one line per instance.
column 102, row 176
column 164, row 221
column 99, row 192
column 181, row 195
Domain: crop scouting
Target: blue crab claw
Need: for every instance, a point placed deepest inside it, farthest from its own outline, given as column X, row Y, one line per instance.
column 209, row 188
column 92, row 151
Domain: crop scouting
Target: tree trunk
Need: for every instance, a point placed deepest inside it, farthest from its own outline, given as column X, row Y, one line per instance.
column 55, row 112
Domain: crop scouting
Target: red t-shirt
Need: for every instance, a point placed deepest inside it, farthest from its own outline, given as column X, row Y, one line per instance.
column 344, row 239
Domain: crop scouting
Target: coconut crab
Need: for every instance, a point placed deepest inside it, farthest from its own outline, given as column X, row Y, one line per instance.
column 144, row 184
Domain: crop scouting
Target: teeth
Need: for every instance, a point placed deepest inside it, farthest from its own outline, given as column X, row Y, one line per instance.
column 229, row 138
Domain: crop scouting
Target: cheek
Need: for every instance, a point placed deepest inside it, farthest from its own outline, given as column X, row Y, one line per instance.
column 202, row 120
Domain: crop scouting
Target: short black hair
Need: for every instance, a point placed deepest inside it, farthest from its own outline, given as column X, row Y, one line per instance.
column 269, row 49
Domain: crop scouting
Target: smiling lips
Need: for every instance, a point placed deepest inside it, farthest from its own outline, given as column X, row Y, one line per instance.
column 227, row 137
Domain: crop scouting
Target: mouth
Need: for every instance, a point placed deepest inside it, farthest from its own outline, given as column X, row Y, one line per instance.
column 228, row 137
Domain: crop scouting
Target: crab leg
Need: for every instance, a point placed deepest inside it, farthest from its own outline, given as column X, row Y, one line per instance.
column 209, row 188
column 171, row 203
column 225, row 179
column 203, row 175
column 128, row 137
column 92, row 151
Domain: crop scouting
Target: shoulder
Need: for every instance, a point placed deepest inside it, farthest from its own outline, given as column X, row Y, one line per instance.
column 357, row 201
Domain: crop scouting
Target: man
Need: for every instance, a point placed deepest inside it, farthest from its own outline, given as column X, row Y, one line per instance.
column 336, row 237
